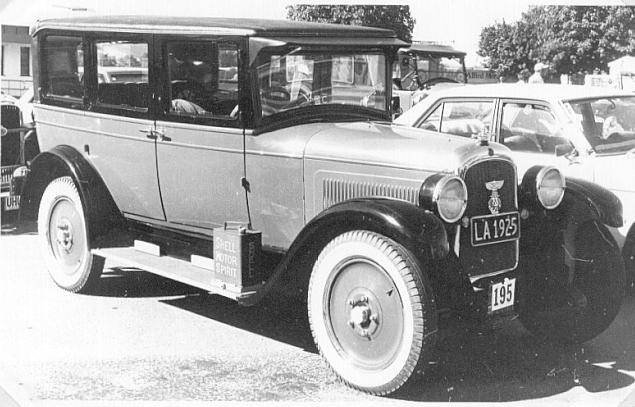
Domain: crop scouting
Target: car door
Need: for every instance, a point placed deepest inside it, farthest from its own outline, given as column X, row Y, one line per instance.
column 534, row 134
column 200, row 143
column 120, row 137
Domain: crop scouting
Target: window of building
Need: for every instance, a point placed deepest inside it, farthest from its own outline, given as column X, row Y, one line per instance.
column 63, row 68
column 25, row 61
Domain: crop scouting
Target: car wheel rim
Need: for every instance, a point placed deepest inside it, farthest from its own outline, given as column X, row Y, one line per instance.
column 66, row 238
column 364, row 314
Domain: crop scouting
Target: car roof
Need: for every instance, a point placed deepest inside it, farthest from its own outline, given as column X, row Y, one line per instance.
column 423, row 47
column 208, row 25
column 551, row 92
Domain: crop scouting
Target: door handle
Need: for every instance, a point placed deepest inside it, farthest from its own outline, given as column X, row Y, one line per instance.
column 161, row 135
column 149, row 134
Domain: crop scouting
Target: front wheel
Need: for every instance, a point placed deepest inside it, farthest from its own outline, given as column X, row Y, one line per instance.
column 578, row 310
column 63, row 234
column 371, row 311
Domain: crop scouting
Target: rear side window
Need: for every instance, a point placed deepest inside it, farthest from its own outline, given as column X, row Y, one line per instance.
column 63, row 60
column 122, row 75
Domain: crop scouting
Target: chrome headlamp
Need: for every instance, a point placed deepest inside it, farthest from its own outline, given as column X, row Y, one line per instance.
column 546, row 184
column 444, row 194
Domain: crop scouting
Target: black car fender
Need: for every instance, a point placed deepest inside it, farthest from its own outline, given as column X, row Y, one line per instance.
column 418, row 229
column 64, row 160
column 586, row 201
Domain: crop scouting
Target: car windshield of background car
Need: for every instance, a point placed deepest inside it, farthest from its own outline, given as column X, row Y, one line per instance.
column 607, row 123
column 296, row 80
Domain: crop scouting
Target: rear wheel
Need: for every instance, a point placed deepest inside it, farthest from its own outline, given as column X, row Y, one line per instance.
column 63, row 234
column 583, row 308
column 371, row 311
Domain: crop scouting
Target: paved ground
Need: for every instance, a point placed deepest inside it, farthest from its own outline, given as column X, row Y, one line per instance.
column 143, row 340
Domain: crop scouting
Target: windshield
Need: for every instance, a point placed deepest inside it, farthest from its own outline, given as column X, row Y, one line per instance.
column 420, row 71
column 294, row 80
column 608, row 123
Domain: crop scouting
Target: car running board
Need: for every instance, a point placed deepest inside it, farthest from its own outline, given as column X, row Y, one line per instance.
column 179, row 270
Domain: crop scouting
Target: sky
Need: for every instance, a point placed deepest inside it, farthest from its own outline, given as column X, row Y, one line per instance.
column 452, row 22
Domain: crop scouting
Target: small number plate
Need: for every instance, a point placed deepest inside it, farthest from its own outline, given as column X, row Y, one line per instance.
column 11, row 203
column 491, row 229
column 502, row 294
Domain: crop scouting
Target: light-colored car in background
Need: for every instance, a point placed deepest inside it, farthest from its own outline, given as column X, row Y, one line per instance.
column 587, row 132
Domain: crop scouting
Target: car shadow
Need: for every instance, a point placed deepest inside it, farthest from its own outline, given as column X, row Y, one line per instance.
column 472, row 363
column 508, row 364
column 135, row 283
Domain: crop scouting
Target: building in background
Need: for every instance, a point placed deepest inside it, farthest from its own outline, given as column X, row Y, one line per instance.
column 16, row 59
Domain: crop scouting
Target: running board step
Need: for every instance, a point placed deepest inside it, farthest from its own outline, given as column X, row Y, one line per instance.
column 178, row 270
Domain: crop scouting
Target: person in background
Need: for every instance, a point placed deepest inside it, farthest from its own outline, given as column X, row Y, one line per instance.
column 523, row 76
column 540, row 70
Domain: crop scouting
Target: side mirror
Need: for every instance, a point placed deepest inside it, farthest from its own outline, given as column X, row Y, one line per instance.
column 564, row 150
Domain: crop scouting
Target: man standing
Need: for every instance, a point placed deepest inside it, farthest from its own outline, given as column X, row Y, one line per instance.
column 540, row 71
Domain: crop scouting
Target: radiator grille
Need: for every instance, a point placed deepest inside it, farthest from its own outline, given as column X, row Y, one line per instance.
column 495, row 257
column 338, row 190
column 7, row 176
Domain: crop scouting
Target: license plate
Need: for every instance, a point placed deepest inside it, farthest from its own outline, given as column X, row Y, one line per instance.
column 491, row 229
column 11, row 203
column 502, row 294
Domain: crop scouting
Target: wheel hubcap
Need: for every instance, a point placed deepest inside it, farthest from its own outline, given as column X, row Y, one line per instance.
column 365, row 314
column 66, row 236
column 363, row 320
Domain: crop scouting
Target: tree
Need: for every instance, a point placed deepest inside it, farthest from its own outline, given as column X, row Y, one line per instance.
column 394, row 17
column 569, row 38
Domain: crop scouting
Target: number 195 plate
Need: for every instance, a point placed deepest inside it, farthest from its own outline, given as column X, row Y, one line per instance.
column 502, row 294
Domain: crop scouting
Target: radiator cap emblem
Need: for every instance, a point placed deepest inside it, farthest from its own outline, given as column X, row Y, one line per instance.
column 494, row 204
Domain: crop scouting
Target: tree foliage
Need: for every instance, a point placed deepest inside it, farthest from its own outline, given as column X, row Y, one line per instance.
column 570, row 38
column 394, row 17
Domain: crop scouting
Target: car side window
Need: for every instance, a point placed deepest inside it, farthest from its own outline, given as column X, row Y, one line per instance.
column 530, row 128
column 122, row 75
column 203, row 79
column 433, row 121
column 461, row 118
column 466, row 118
column 63, row 60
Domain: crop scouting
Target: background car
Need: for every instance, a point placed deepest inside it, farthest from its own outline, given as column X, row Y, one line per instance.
column 587, row 132
column 19, row 147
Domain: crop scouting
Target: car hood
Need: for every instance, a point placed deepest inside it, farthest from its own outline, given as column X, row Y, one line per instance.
column 397, row 146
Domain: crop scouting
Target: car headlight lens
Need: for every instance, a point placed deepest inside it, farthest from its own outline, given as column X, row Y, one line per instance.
column 550, row 187
column 450, row 198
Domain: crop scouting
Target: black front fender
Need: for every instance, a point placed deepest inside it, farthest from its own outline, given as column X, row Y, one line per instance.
column 590, row 201
column 401, row 221
column 418, row 229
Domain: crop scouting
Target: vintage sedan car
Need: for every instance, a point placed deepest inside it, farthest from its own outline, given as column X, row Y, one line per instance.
column 586, row 132
column 259, row 159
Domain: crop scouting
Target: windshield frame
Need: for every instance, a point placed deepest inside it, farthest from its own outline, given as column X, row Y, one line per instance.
column 324, row 112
